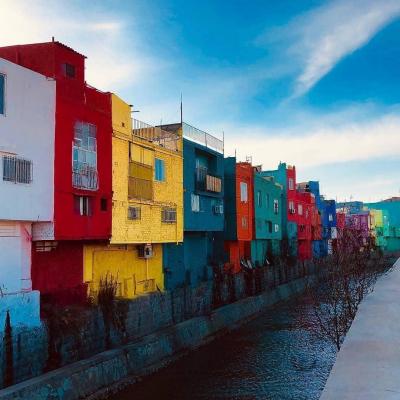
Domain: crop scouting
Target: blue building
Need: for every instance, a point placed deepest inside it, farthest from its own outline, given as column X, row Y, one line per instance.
column 190, row 262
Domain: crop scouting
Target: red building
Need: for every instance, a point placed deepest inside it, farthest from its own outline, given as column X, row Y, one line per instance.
column 82, row 167
column 239, row 205
column 305, row 219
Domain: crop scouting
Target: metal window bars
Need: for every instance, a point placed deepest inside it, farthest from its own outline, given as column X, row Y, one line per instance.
column 201, row 137
column 17, row 170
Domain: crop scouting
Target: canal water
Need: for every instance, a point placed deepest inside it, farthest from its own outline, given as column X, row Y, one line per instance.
column 270, row 358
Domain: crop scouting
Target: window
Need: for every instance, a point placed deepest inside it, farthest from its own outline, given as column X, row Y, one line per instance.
column 159, row 170
column 195, row 200
column 83, row 205
column 276, row 228
column 259, row 199
column 103, row 204
column 300, row 209
column 84, row 159
column 134, row 213
column 269, row 226
column 291, row 207
column 17, row 170
column 244, row 222
column 69, row 70
column 243, row 192
column 168, row 215
column 44, row 246
column 330, row 217
column 291, row 184
column 276, row 206
column 267, row 200
column 2, row 93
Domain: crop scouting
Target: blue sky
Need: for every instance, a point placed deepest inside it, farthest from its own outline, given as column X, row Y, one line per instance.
column 312, row 83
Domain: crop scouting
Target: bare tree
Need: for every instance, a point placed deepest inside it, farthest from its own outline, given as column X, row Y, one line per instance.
column 343, row 280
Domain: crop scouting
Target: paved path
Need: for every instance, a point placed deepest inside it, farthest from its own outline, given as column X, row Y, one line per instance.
column 368, row 364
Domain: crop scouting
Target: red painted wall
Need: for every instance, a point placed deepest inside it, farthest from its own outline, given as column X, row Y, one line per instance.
column 237, row 250
column 305, row 224
column 58, row 273
column 75, row 101
column 291, row 193
column 244, row 173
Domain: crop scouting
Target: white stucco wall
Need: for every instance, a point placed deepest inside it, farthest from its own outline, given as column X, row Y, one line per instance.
column 27, row 130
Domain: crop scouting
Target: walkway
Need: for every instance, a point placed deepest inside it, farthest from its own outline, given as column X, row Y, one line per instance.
column 368, row 364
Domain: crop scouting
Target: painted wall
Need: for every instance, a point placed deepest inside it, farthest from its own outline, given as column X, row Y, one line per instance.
column 134, row 275
column 27, row 131
column 206, row 220
column 58, row 272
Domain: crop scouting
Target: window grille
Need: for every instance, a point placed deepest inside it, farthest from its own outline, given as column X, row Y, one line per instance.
column 17, row 170
column 168, row 215
column 83, row 205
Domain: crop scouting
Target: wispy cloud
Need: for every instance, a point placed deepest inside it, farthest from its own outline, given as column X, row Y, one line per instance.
column 317, row 40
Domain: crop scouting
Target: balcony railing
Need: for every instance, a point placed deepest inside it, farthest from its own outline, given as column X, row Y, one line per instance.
column 85, row 178
column 145, row 286
column 139, row 188
column 201, row 137
column 155, row 134
column 206, row 182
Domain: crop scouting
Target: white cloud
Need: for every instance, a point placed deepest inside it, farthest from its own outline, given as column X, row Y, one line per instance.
column 333, row 31
column 312, row 147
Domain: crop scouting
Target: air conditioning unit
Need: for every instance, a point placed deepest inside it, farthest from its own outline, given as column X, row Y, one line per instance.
column 219, row 209
column 145, row 251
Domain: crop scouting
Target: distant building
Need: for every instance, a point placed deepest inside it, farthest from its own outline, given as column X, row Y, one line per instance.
column 27, row 112
column 268, row 210
column 239, row 211
column 286, row 176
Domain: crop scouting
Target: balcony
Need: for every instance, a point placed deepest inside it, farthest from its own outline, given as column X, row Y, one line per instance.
column 141, row 189
column 201, row 137
column 156, row 135
column 85, row 178
column 206, row 182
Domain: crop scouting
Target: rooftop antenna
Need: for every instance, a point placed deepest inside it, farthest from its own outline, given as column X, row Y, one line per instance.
column 52, row 39
column 181, row 110
column 235, row 153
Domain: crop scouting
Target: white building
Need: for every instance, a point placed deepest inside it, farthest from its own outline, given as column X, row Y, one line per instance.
column 27, row 126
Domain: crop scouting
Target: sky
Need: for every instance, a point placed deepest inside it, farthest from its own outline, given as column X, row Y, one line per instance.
column 311, row 83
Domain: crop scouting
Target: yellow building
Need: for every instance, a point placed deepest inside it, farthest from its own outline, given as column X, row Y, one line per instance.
column 147, row 208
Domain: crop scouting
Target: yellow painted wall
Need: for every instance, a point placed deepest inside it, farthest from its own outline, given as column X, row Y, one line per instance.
column 123, row 263
column 149, row 229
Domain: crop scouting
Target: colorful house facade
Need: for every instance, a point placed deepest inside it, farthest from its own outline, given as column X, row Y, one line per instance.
column 82, row 170
column 191, row 262
column 27, row 112
column 305, row 220
column 391, row 225
column 285, row 175
column 239, row 211
column 268, row 206
column 147, row 206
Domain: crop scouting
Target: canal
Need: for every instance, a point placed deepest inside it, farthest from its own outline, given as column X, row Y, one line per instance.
column 271, row 357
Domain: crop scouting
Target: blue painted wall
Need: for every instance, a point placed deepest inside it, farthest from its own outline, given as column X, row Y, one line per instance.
column 189, row 263
column 230, row 232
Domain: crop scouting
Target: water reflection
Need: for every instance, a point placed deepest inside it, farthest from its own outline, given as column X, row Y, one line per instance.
column 269, row 358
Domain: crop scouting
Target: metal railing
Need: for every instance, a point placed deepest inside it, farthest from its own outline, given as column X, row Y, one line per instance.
column 85, row 178
column 201, row 137
column 141, row 189
column 154, row 134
